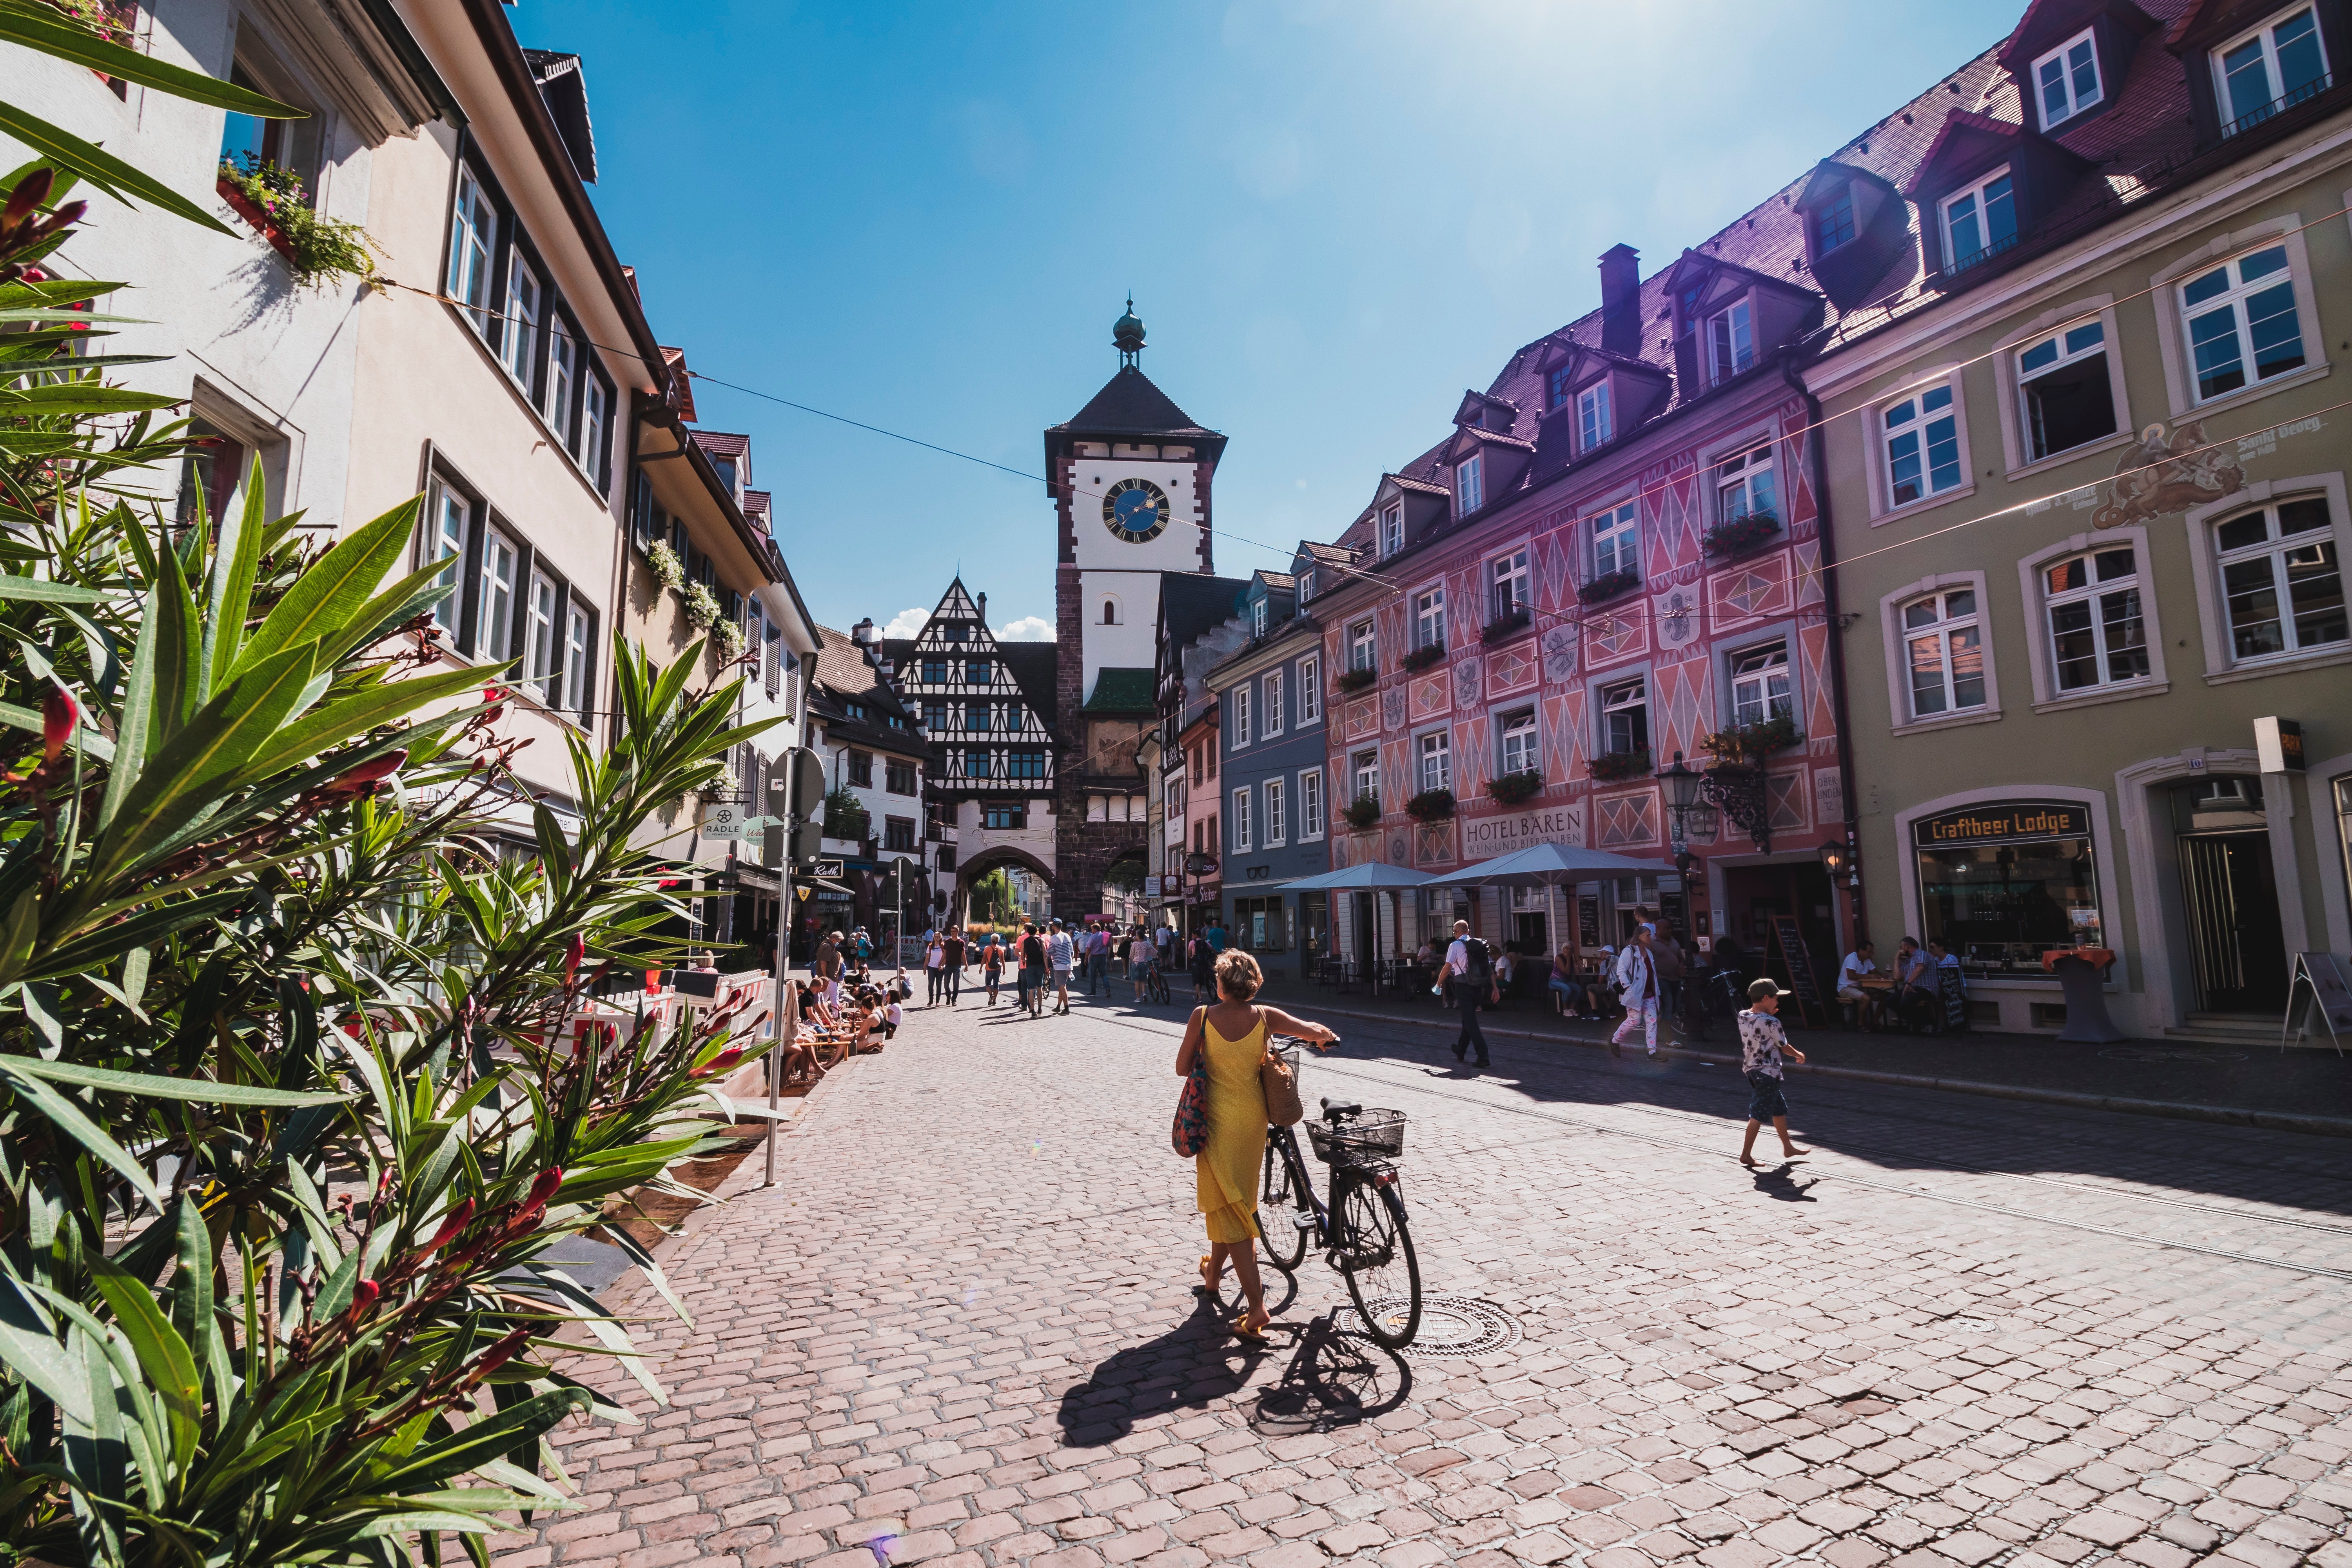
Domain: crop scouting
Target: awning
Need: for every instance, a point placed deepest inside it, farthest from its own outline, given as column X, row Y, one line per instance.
column 1550, row 865
column 830, row 886
column 759, row 878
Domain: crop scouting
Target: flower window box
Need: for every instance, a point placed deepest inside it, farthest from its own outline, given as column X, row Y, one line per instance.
column 1509, row 624
column 1423, row 657
column 1739, row 535
column 1747, row 745
column 1608, row 585
column 1351, row 682
column 1611, row 766
column 1430, row 805
column 1362, row 812
column 1510, row 789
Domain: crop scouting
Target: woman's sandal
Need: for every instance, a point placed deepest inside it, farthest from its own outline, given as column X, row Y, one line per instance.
column 1208, row 1285
column 1240, row 1330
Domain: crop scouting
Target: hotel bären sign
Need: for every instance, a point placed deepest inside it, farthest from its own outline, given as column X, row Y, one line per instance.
column 1483, row 838
column 1996, row 823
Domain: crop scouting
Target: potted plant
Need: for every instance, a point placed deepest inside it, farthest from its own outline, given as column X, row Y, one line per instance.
column 1423, row 657
column 1747, row 745
column 1516, row 618
column 701, row 608
column 274, row 202
column 1512, row 788
column 667, row 569
column 1430, row 805
column 1608, row 585
column 1739, row 535
column 1612, row 765
column 1362, row 812
column 1355, row 679
column 726, row 640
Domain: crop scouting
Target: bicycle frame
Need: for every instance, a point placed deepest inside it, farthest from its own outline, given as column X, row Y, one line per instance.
column 1327, row 1224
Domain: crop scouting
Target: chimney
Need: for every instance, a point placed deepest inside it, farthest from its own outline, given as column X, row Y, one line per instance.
column 1621, row 300
column 983, row 609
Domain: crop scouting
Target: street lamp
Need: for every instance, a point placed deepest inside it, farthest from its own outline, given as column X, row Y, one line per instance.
column 1693, row 819
column 1837, row 860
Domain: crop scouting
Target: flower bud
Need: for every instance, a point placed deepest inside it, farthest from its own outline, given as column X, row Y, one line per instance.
column 545, row 1187
column 30, row 193
column 362, row 779
column 59, row 713
column 719, row 1063
column 504, row 1350
column 571, row 957
column 459, row 1218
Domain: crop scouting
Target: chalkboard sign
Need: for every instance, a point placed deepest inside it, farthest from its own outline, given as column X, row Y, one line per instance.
column 1588, row 920
column 2330, row 998
column 1799, row 962
column 1954, row 994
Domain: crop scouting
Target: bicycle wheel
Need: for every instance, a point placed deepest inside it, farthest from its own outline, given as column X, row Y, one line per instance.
column 1376, row 1258
column 1284, row 1244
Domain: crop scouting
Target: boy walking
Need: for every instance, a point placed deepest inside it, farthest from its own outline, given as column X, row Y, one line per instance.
column 1762, row 1041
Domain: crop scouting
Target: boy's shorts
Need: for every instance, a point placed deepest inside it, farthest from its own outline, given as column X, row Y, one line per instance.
column 1765, row 1101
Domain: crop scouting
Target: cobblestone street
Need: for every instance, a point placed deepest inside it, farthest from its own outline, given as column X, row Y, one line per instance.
column 1966, row 1331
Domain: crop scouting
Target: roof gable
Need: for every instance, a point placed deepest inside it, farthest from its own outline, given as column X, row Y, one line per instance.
column 1130, row 404
column 1965, row 137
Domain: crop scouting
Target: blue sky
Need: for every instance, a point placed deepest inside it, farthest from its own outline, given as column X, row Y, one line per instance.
column 1334, row 217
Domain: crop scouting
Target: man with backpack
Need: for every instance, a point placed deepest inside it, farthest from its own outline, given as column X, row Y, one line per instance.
column 1471, row 965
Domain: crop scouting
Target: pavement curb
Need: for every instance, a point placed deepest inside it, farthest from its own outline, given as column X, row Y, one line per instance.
column 2178, row 1110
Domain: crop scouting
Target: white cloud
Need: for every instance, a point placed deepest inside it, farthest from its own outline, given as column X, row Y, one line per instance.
column 907, row 623
column 1028, row 628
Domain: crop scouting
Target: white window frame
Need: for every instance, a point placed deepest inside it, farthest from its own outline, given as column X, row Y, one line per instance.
column 2074, row 345
column 595, row 425
column 1894, row 641
column 1734, row 678
column 1469, row 484
column 1952, row 613
column 2272, row 552
column 1270, row 689
column 2094, row 591
column 1239, row 822
column 1429, row 617
column 1595, row 417
column 1311, row 813
column 453, row 526
column 1391, row 529
column 2221, row 664
column 1519, row 731
column 2007, row 380
column 1974, row 192
column 2236, row 296
column 1730, row 341
column 1310, row 689
column 1622, row 527
column 563, row 377
column 1509, row 570
column 1257, row 616
column 1239, row 698
column 1432, row 752
column 2038, row 83
column 580, row 649
column 525, row 314
column 2043, row 657
column 1741, row 482
column 1277, row 823
column 2172, row 340
column 1363, row 645
column 474, row 232
column 494, row 633
column 1306, row 586
column 542, row 657
column 1365, row 765
column 1943, row 385
column 2266, row 32
column 1621, row 694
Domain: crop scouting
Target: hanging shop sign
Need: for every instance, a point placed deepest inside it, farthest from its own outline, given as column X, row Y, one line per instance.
column 2002, row 821
column 2278, row 743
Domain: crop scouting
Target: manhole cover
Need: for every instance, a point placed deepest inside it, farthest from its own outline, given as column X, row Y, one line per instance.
column 1450, row 1325
column 2161, row 1054
column 1969, row 1325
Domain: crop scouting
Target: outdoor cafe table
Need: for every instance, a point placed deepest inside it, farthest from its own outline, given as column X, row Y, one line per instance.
column 2082, row 973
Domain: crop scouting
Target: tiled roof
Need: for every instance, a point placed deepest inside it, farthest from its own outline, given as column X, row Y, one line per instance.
column 675, row 359
column 756, row 503
column 1122, row 689
column 1130, row 404
column 1280, row 582
column 1190, row 603
column 722, row 444
column 1035, row 665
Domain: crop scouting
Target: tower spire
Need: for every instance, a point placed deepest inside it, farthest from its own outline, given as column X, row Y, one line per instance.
column 1126, row 332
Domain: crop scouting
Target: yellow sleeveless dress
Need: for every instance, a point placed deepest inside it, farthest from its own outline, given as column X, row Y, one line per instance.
column 1229, row 1167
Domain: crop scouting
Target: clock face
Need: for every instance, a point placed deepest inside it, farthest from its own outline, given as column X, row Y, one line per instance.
column 1135, row 510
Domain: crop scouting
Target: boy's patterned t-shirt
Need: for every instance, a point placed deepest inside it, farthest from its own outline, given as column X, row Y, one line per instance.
column 1760, row 1039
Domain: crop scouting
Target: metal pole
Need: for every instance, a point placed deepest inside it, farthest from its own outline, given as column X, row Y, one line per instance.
column 787, row 1008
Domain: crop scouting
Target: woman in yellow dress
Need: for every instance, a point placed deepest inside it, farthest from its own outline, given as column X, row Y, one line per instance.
column 1234, row 1032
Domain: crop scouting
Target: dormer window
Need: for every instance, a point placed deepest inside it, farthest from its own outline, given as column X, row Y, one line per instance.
column 1594, row 424
column 1980, row 221
column 1469, row 490
column 2066, row 80
column 1561, row 391
column 1833, row 224
column 726, row 467
column 1391, row 529
column 2275, row 67
column 1730, row 343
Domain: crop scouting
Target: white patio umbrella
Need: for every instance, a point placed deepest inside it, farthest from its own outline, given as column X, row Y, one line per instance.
column 1550, row 864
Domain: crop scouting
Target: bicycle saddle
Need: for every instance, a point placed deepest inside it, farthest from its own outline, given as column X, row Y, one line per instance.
column 1340, row 1111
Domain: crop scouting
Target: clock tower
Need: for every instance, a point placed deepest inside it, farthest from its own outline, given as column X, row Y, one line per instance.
column 1129, row 475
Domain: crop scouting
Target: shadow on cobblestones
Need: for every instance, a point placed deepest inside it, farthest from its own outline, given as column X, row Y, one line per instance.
column 1191, row 1367
column 1334, row 1380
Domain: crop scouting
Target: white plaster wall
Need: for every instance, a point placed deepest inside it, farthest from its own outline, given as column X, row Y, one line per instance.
column 972, row 840
column 224, row 307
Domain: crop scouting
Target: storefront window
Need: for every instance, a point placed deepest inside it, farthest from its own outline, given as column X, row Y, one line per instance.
column 2002, row 884
column 1258, row 925
column 2344, row 822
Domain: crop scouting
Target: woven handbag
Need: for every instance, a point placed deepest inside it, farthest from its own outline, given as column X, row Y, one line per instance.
column 1281, row 1085
column 1188, row 1134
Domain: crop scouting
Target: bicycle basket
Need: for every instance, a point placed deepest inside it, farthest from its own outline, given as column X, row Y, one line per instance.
column 1375, row 1135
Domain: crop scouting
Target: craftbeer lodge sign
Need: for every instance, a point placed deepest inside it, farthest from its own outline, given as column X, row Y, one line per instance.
column 1999, row 821
column 1483, row 838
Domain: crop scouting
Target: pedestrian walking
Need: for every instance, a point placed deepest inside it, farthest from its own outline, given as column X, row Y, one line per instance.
column 1202, row 965
column 1673, row 965
column 1637, row 984
column 1142, row 959
column 1164, row 943
column 1061, row 953
column 1233, row 1036
column 1098, row 962
column 1032, row 962
column 951, row 959
column 935, row 957
column 1762, row 1042
column 992, row 966
column 1470, row 971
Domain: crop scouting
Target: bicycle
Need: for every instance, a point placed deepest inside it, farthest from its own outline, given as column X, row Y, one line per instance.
column 1363, row 1229
column 1155, row 985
